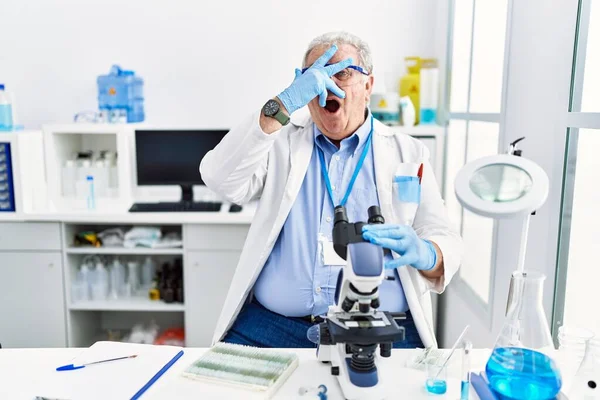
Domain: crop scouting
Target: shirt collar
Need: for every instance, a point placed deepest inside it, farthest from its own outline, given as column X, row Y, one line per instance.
column 352, row 143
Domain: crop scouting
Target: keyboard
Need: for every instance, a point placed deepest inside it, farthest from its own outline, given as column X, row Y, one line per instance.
column 204, row 206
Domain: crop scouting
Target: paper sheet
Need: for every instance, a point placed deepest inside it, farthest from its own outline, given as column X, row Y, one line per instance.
column 112, row 380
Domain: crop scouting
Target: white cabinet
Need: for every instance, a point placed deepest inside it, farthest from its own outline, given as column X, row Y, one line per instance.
column 207, row 277
column 32, row 306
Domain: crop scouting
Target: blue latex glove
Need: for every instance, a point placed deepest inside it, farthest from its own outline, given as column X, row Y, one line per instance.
column 403, row 240
column 315, row 81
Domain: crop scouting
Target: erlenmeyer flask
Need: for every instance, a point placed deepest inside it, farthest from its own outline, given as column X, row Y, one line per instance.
column 520, row 366
column 586, row 384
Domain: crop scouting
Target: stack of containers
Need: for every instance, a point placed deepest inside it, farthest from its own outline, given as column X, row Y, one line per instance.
column 120, row 95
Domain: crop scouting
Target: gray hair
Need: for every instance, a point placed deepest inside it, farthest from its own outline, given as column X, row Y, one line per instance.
column 339, row 38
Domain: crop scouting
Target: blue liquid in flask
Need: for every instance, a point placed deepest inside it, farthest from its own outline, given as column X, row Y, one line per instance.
column 519, row 373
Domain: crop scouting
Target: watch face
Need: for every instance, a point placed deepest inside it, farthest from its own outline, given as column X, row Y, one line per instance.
column 271, row 108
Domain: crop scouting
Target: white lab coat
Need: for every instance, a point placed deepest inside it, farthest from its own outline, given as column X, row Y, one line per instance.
column 249, row 165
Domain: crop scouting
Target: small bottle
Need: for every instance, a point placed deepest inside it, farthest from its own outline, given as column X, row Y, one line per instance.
column 100, row 285
column 69, row 177
column 132, row 278
column 91, row 199
column 6, row 110
column 147, row 272
column 117, row 279
column 428, row 98
column 410, row 84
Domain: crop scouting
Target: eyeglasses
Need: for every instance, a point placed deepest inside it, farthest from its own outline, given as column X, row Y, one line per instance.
column 346, row 74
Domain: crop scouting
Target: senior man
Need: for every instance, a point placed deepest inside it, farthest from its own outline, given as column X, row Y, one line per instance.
column 300, row 169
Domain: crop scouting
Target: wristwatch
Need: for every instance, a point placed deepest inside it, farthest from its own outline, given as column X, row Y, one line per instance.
column 273, row 110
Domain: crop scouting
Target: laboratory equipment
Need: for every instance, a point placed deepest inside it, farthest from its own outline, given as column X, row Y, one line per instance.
column 244, row 367
column 6, row 110
column 133, row 278
column 69, row 177
column 429, row 91
column 148, row 272
column 407, row 112
column 503, row 186
column 100, row 282
column 520, row 366
column 91, row 196
column 436, row 381
column 172, row 157
column 509, row 186
column 354, row 329
column 385, row 107
column 586, row 383
column 465, row 379
column 316, row 392
column 117, row 279
column 410, row 84
column 120, row 96
column 572, row 343
column 7, row 189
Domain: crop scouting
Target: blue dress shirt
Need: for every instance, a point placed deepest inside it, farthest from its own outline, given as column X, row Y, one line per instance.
column 294, row 281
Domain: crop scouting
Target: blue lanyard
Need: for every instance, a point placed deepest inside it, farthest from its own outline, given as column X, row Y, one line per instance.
column 354, row 175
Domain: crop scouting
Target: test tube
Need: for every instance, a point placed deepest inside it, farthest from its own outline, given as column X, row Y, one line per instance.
column 466, row 370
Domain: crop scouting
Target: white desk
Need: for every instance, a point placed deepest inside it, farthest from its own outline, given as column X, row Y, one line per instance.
column 22, row 372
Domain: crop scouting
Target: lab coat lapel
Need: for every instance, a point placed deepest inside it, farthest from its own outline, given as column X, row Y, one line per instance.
column 385, row 159
column 301, row 147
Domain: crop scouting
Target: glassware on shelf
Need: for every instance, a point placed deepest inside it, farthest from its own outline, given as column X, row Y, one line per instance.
column 521, row 366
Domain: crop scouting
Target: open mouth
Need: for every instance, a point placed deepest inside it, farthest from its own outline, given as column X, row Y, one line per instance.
column 332, row 105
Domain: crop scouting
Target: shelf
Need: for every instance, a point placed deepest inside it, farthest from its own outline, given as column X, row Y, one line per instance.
column 131, row 304
column 123, row 250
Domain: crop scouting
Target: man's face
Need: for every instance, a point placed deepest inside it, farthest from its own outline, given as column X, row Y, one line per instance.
column 341, row 117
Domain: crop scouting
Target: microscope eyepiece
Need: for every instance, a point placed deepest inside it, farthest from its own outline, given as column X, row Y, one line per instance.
column 340, row 215
column 375, row 216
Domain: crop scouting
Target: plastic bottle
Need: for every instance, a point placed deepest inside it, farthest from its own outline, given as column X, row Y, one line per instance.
column 101, row 283
column 120, row 94
column 429, row 91
column 133, row 280
column 117, row 279
column 410, row 84
column 100, row 178
column 91, row 196
column 147, row 272
column 6, row 111
column 69, row 177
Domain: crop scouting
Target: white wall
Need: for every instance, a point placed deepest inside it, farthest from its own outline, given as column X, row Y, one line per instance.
column 205, row 64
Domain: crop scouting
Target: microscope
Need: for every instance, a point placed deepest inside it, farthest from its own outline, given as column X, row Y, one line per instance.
column 354, row 329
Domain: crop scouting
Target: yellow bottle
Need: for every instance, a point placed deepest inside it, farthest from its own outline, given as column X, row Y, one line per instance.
column 410, row 84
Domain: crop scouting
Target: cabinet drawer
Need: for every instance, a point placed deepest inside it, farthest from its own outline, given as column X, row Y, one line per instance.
column 30, row 236
column 215, row 236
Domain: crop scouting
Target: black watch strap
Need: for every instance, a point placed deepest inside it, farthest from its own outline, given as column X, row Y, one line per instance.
column 272, row 109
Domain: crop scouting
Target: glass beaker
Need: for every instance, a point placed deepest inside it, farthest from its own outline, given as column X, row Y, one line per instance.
column 520, row 366
column 586, row 384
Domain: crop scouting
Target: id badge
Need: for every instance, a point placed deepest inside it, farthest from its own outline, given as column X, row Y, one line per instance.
column 328, row 254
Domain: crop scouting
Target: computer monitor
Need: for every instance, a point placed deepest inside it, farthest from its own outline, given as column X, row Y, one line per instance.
column 172, row 157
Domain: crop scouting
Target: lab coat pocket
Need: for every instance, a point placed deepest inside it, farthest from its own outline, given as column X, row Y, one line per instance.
column 406, row 196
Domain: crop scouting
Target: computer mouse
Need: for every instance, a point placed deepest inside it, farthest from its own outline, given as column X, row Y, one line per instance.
column 235, row 208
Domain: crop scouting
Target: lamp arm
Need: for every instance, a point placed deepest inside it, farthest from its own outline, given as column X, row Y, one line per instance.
column 523, row 247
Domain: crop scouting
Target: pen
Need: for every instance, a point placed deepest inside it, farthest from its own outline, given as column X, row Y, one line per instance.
column 71, row 367
column 420, row 173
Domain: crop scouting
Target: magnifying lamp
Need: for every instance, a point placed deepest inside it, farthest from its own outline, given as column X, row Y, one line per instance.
column 503, row 186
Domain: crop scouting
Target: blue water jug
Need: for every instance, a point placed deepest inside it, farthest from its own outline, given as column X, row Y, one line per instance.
column 122, row 90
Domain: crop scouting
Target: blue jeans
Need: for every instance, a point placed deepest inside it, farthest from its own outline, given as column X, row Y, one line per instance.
column 256, row 326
